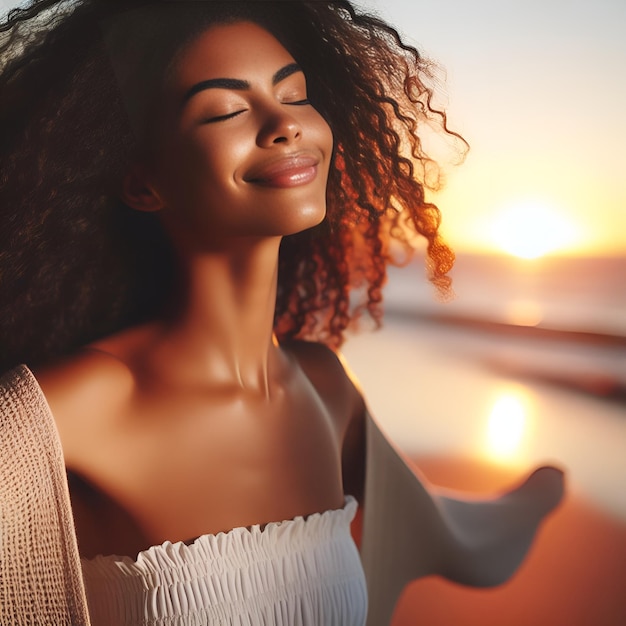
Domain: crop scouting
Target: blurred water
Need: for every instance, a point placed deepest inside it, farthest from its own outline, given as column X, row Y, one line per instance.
column 468, row 379
column 573, row 294
column 437, row 400
column 562, row 320
column 471, row 425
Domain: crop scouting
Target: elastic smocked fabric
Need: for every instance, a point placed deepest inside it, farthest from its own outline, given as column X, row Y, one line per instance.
column 300, row 572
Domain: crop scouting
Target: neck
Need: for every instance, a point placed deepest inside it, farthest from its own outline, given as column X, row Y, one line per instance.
column 221, row 326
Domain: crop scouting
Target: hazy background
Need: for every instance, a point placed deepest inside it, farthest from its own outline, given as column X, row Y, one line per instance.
column 537, row 88
column 528, row 364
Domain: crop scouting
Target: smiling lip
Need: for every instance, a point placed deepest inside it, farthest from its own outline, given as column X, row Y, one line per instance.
column 290, row 171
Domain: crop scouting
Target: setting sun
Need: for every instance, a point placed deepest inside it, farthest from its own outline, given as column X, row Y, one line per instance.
column 530, row 229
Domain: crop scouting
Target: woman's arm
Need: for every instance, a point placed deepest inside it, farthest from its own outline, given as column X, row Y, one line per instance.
column 412, row 529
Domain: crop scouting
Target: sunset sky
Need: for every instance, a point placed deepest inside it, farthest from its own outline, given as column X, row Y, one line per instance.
column 538, row 89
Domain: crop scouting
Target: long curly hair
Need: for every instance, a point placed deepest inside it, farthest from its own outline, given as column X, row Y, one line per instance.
column 77, row 264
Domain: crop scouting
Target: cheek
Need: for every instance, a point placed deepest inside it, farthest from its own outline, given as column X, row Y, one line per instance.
column 190, row 170
column 324, row 133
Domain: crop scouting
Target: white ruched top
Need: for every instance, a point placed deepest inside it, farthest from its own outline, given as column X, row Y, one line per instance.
column 300, row 572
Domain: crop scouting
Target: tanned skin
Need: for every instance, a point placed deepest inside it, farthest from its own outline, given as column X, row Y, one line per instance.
column 201, row 422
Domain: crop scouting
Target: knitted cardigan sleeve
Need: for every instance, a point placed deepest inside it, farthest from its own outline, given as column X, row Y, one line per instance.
column 40, row 573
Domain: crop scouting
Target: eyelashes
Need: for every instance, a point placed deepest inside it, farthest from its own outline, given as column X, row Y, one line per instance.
column 229, row 116
column 221, row 118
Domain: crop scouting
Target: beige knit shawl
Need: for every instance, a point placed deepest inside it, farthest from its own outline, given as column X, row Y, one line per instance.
column 40, row 572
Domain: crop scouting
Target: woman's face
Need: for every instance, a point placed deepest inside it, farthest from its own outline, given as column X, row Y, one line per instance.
column 240, row 151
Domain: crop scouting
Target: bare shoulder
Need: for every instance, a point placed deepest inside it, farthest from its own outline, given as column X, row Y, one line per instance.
column 322, row 364
column 99, row 374
column 339, row 389
column 331, row 377
column 84, row 375
column 81, row 390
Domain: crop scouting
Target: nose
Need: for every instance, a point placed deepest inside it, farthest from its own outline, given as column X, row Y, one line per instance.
column 278, row 127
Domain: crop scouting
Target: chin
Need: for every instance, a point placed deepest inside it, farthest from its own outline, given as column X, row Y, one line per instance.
column 305, row 219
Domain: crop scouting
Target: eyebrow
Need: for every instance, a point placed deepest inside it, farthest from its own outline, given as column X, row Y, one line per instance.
column 238, row 84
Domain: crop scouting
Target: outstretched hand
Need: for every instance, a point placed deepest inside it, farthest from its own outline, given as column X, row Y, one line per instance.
column 489, row 538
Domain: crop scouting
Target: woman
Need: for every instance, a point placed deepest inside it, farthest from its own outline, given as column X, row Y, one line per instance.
column 192, row 190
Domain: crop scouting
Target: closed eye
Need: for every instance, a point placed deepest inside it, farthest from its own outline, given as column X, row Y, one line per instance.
column 221, row 118
column 228, row 116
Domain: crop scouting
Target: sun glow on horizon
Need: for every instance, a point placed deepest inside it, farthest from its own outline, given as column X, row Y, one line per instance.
column 530, row 230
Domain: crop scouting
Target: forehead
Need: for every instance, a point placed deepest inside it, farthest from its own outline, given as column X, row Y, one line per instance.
column 242, row 50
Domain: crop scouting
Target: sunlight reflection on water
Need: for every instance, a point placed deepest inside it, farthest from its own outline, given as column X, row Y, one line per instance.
column 507, row 424
column 436, row 396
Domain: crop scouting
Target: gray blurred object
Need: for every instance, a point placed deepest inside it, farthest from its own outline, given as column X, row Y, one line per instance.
column 412, row 529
